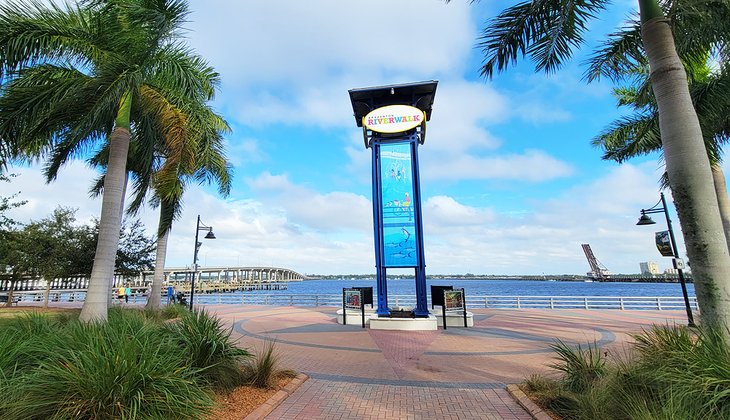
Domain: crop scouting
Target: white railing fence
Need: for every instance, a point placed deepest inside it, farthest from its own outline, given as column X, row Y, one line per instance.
column 474, row 302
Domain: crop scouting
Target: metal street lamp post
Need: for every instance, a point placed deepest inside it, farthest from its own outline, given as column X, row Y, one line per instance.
column 210, row 235
column 646, row 220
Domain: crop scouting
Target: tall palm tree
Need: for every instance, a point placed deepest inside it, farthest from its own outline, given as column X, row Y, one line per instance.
column 550, row 30
column 186, row 147
column 170, row 180
column 79, row 75
column 187, row 150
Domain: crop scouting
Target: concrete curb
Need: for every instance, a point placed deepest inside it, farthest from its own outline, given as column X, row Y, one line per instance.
column 273, row 402
column 536, row 412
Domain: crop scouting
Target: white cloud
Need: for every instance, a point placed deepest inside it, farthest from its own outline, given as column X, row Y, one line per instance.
column 444, row 211
column 243, row 151
column 547, row 237
column 531, row 166
column 254, row 43
column 325, row 212
column 461, row 112
column 69, row 190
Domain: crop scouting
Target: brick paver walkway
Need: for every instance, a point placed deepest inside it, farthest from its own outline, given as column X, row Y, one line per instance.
column 459, row 373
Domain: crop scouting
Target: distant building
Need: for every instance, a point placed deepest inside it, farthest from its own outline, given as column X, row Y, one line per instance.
column 649, row 268
column 671, row 271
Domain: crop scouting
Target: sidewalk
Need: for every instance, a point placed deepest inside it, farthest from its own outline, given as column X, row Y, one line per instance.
column 459, row 373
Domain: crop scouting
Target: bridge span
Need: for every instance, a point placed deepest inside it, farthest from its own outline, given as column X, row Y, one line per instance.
column 229, row 274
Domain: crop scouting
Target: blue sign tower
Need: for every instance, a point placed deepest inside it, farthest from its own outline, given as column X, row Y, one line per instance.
column 393, row 119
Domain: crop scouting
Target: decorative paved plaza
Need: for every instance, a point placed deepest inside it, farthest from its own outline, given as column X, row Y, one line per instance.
column 459, row 373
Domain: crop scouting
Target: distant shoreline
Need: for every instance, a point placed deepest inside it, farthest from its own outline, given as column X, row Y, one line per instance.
column 620, row 278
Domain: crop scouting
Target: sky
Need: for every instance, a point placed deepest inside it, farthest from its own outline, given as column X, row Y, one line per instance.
column 510, row 181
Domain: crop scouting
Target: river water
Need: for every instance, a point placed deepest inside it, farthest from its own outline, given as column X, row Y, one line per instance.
column 494, row 287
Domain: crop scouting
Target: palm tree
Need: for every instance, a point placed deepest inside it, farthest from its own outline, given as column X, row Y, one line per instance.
column 208, row 164
column 187, row 147
column 638, row 134
column 79, row 75
column 549, row 31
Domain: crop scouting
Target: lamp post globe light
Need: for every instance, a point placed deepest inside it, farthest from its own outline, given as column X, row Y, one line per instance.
column 209, row 235
column 646, row 220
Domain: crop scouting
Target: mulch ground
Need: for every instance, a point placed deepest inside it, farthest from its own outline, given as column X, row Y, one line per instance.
column 243, row 400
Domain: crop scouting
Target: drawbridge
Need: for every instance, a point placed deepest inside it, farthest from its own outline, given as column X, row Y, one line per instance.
column 598, row 270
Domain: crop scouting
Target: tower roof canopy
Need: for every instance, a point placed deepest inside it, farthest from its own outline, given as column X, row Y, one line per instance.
column 417, row 94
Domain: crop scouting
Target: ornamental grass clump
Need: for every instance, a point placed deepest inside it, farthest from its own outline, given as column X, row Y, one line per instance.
column 669, row 372
column 264, row 368
column 691, row 368
column 128, row 368
column 581, row 366
column 209, row 349
column 173, row 311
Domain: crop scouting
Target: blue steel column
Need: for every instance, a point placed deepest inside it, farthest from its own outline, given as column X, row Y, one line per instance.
column 380, row 273
column 421, row 309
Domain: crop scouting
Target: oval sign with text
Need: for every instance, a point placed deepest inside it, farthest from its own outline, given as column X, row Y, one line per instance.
column 393, row 119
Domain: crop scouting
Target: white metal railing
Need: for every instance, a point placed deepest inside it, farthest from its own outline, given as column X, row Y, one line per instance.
column 475, row 302
column 498, row 302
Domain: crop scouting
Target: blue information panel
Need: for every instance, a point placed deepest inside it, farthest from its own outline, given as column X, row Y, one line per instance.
column 399, row 225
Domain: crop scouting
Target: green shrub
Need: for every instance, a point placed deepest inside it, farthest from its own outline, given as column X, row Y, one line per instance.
column 10, row 355
column 67, row 316
column 127, row 368
column 33, row 323
column 174, row 311
column 24, row 341
column 692, row 367
column 581, row 367
column 672, row 372
column 209, row 349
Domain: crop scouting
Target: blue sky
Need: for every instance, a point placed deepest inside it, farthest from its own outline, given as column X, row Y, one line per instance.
column 510, row 181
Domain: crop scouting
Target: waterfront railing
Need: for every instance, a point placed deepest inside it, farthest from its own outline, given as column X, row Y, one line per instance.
column 473, row 302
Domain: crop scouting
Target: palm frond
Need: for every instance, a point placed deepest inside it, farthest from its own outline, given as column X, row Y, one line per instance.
column 64, row 70
column 51, row 105
column 618, row 56
column 179, row 71
column 630, row 136
column 34, row 32
column 169, row 212
column 546, row 30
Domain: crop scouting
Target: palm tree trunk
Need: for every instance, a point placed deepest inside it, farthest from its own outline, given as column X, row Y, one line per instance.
column 723, row 201
column 688, row 168
column 11, row 287
column 111, row 285
column 46, row 294
column 153, row 301
column 96, row 304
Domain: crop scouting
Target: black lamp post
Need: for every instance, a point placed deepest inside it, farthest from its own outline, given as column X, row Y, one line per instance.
column 646, row 220
column 210, row 235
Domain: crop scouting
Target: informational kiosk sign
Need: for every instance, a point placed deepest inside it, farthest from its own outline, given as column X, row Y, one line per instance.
column 352, row 299
column 400, row 235
column 393, row 119
column 454, row 301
